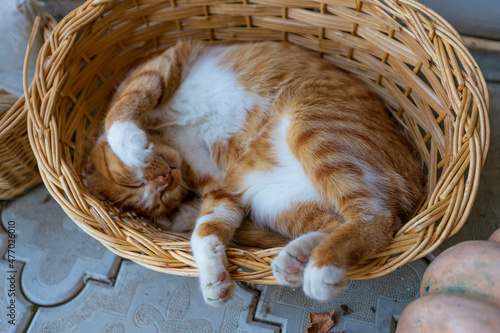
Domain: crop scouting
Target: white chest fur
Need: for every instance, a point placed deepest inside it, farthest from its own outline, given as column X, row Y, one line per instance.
column 271, row 192
column 193, row 149
column 210, row 99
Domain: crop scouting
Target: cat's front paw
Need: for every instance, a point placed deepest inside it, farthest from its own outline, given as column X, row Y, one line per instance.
column 323, row 283
column 218, row 288
column 210, row 256
column 130, row 144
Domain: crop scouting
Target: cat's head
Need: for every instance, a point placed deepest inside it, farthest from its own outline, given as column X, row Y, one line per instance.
column 153, row 191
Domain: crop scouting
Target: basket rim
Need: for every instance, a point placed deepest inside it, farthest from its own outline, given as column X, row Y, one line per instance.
column 417, row 241
column 22, row 172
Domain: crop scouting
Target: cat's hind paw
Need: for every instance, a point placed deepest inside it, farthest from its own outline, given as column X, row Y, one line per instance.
column 219, row 291
column 130, row 143
column 288, row 268
column 325, row 283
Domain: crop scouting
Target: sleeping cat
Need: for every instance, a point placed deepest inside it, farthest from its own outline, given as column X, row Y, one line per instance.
column 264, row 130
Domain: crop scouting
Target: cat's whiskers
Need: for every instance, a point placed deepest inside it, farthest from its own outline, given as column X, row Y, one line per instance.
column 119, row 200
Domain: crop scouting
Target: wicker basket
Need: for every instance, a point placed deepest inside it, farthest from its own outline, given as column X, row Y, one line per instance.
column 18, row 170
column 411, row 56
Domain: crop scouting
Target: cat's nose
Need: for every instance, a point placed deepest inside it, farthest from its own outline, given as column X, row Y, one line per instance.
column 166, row 178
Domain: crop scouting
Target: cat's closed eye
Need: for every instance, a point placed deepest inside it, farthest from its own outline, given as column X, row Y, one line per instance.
column 133, row 185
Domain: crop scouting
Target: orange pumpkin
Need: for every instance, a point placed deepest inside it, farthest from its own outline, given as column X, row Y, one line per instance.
column 495, row 237
column 449, row 313
column 470, row 269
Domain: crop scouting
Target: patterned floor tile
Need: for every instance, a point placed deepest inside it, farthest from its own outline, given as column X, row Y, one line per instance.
column 58, row 255
column 143, row 300
column 366, row 306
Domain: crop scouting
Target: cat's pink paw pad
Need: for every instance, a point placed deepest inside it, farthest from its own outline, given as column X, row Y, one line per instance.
column 223, row 293
column 220, row 291
column 288, row 269
column 303, row 258
column 288, row 266
column 292, row 269
column 293, row 275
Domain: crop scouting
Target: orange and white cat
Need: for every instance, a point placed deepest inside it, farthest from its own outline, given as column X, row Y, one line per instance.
column 264, row 130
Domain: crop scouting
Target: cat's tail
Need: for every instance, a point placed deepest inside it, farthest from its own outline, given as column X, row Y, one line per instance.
column 251, row 235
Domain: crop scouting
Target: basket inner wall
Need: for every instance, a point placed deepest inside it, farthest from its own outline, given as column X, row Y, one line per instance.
column 368, row 40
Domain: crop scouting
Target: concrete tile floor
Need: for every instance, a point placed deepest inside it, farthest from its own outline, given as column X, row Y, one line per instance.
column 64, row 281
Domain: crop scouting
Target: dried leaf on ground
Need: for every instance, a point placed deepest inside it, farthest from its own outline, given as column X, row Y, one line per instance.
column 320, row 322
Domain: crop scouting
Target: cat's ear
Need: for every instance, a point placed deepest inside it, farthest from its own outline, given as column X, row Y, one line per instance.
column 89, row 168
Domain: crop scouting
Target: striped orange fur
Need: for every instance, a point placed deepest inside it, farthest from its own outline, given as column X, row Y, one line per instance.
column 263, row 130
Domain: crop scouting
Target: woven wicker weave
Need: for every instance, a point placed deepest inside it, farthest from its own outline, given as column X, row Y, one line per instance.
column 406, row 52
column 18, row 170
